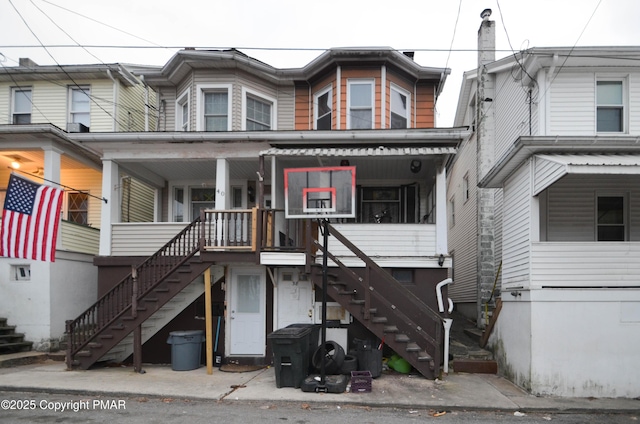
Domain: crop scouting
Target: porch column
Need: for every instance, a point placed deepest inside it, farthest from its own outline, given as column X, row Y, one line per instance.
column 110, row 209
column 441, row 212
column 51, row 164
column 223, row 189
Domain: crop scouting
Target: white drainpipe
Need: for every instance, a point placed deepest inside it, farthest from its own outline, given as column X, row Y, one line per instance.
column 446, row 322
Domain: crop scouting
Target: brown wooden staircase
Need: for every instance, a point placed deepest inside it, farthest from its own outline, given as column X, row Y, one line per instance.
column 134, row 299
column 388, row 309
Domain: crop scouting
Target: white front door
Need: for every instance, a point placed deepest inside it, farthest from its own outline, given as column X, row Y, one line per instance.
column 247, row 313
column 295, row 299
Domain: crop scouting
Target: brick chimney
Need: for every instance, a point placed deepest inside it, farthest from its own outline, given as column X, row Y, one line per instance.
column 27, row 63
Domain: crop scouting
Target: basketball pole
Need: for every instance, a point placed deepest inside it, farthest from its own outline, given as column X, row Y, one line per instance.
column 323, row 348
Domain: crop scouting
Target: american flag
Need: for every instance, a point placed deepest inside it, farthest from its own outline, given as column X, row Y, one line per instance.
column 30, row 220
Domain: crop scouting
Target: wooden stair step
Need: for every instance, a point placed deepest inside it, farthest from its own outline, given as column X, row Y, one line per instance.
column 379, row 320
column 402, row 338
column 424, row 356
column 390, row 329
column 357, row 301
column 413, row 347
column 348, row 292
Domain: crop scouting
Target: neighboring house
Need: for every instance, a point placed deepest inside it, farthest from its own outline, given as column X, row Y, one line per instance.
column 37, row 105
column 555, row 132
column 229, row 126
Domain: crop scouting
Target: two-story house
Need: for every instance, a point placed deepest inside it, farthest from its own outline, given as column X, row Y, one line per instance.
column 229, row 127
column 555, row 158
column 39, row 107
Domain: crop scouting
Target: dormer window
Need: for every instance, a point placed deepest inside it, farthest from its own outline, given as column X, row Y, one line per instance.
column 323, row 109
column 360, row 109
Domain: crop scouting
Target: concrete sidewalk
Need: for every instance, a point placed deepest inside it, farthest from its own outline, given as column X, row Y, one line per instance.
column 457, row 391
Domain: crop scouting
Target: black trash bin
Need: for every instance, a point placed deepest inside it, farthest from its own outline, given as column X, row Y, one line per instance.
column 314, row 339
column 369, row 357
column 290, row 346
column 186, row 348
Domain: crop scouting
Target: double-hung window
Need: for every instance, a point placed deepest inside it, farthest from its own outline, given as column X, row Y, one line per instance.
column 79, row 105
column 400, row 101
column 259, row 112
column 611, row 218
column 214, row 107
column 21, row 106
column 610, row 106
column 182, row 112
column 360, row 108
column 216, row 110
column 323, row 109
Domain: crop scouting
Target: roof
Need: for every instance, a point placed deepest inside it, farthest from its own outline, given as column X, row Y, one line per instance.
column 526, row 147
column 30, row 71
column 359, row 151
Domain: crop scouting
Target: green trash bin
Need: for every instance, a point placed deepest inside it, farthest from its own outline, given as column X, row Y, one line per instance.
column 186, row 348
column 290, row 348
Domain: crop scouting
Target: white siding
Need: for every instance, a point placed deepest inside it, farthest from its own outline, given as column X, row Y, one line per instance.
column 545, row 173
column 516, row 228
column 511, row 112
column 131, row 108
column 572, row 203
column 463, row 241
column 498, row 213
column 408, row 243
column 137, row 201
column 572, row 104
column 585, row 264
column 634, row 103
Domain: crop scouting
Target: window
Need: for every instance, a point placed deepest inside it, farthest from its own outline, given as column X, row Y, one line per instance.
column 452, row 212
column 216, row 111
column 360, row 98
column 258, row 115
column 78, row 208
column 202, row 198
column 610, row 106
column 399, row 107
column 178, row 204
column 79, row 105
column 182, row 113
column 20, row 273
column 611, row 218
column 21, row 106
column 385, row 205
column 465, row 187
column 403, row 276
column 323, row 109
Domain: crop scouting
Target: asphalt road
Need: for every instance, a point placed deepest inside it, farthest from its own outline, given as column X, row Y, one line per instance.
column 73, row 408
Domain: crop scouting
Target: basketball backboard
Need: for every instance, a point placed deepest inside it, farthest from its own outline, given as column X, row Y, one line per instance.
column 322, row 192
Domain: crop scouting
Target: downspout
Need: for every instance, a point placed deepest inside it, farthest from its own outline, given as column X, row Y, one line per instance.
column 446, row 322
column 115, row 101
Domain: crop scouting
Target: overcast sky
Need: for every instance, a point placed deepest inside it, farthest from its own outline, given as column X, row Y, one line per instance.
column 290, row 33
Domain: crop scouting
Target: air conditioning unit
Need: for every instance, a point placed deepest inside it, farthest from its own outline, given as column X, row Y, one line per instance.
column 76, row 127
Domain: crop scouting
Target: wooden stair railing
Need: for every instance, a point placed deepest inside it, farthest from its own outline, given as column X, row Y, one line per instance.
column 388, row 309
column 116, row 305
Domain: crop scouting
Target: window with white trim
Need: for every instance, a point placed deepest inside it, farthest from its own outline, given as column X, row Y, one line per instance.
column 611, row 220
column 465, row 187
column 452, row 212
column 214, row 107
column 189, row 199
column 360, row 104
column 80, row 105
column 323, row 102
column 257, row 113
column 216, row 110
column 399, row 107
column 182, row 112
column 21, row 105
column 610, row 108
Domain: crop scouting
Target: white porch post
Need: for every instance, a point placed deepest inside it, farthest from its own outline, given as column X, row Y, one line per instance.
column 441, row 212
column 223, row 190
column 110, row 210
column 51, row 164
